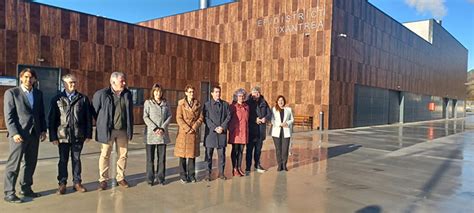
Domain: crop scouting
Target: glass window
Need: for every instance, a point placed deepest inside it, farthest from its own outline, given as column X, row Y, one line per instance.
column 138, row 97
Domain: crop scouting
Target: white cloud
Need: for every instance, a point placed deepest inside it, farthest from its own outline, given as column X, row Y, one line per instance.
column 437, row 8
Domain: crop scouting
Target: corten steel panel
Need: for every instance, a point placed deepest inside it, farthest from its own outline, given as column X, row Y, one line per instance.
column 380, row 52
column 92, row 48
column 282, row 63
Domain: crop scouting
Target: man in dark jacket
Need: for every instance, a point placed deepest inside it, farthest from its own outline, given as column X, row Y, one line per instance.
column 26, row 125
column 114, row 125
column 259, row 114
column 70, row 124
column 216, row 117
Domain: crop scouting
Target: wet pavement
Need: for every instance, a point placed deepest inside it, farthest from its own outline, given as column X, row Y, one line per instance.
column 417, row 167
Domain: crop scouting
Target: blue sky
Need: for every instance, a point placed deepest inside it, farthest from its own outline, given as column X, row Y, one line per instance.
column 457, row 15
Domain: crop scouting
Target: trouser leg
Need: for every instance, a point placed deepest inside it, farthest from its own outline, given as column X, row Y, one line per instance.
column 258, row 152
column 191, row 167
column 150, row 162
column 161, row 155
column 76, row 150
column 277, row 142
column 249, row 154
column 209, row 153
column 31, row 159
column 285, row 145
column 64, row 150
column 122, row 153
column 12, row 166
column 221, row 158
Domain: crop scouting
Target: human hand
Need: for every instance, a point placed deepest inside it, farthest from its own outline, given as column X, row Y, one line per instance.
column 56, row 142
column 17, row 138
column 43, row 136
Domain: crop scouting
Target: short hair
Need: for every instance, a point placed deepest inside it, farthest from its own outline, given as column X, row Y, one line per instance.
column 156, row 87
column 189, row 86
column 68, row 76
column 31, row 71
column 215, row 87
column 116, row 75
column 238, row 92
column 256, row 89
column 276, row 102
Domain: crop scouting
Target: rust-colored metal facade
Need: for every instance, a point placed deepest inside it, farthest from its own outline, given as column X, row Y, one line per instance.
column 289, row 47
column 93, row 47
column 317, row 68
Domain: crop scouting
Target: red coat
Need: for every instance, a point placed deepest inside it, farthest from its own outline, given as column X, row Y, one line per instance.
column 238, row 125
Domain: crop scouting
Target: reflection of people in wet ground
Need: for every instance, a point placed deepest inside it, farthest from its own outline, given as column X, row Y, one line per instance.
column 238, row 132
column 282, row 121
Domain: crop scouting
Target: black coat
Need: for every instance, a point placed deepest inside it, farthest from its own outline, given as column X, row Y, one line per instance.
column 70, row 120
column 103, row 102
column 213, row 117
column 258, row 109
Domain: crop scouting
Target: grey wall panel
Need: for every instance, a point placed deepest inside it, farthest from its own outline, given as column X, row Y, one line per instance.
column 371, row 106
column 416, row 107
column 394, row 107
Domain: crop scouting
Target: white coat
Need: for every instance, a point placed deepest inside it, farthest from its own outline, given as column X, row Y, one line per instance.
column 276, row 122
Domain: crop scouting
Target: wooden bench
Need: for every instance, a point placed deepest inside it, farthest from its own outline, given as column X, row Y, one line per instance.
column 305, row 121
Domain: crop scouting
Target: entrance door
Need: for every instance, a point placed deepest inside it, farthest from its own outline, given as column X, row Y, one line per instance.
column 48, row 82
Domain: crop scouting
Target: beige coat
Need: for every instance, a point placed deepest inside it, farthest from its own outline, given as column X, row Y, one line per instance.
column 187, row 145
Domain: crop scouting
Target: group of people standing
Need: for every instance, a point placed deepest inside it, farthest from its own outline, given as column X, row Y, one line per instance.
column 242, row 124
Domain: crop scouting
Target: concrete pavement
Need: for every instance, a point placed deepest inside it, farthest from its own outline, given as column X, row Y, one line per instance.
column 420, row 167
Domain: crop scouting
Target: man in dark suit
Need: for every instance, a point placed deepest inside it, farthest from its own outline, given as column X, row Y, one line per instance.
column 217, row 116
column 26, row 124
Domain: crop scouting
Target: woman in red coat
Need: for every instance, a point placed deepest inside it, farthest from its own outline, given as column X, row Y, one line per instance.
column 238, row 130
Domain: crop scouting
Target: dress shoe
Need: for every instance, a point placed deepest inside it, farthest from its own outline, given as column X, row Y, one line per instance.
column 12, row 199
column 61, row 189
column 123, row 183
column 184, row 180
column 151, row 183
column 222, row 177
column 161, row 182
column 30, row 193
column 79, row 188
column 260, row 169
column 102, row 185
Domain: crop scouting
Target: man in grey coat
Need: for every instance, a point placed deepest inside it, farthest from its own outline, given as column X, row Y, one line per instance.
column 216, row 117
column 114, row 115
column 26, row 125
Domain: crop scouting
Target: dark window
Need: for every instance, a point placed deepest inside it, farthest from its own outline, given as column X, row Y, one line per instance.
column 138, row 97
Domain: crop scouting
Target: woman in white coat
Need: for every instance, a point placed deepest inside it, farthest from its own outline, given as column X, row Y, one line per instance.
column 282, row 121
